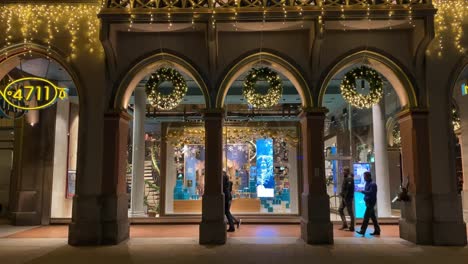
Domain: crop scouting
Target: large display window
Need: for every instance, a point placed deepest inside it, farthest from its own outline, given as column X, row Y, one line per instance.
column 363, row 139
column 261, row 162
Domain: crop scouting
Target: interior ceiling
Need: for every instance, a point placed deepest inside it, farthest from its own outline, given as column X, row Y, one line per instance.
column 47, row 69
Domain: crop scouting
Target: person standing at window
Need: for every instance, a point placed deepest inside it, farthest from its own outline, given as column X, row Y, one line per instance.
column 227, row 189
column 370, row 197
column 347, row 197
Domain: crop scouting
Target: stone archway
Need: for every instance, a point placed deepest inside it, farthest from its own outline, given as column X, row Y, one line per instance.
column 395, row 74
column 44, row 191
column 273, row 61
column 416, row 219
column 144, row 67
column 316, row 227
column 116, row 129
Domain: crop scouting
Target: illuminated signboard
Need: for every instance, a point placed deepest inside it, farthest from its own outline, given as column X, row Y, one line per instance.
column 30, row 93
column 464, row 89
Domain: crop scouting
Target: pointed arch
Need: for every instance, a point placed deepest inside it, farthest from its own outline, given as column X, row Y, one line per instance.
column 275, row 62
column 9, row 56
column 393, row 72
column 147, row 66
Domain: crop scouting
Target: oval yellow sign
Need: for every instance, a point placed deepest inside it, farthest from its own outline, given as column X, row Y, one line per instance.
column 38, row 93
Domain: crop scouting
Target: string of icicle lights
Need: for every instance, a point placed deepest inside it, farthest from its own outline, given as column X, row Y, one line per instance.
column 44, row 23
column 41, row 23
column 449, row 21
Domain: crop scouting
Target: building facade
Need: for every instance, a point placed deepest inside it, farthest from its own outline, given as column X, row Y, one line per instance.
column 109, row 49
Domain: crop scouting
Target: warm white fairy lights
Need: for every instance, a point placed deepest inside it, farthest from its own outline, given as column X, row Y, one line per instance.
column 42, row 23
column 273, row 94
column 351, row 95
column 166, row 101
column 449, row 21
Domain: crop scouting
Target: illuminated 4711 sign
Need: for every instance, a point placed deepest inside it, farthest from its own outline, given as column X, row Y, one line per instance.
column 20, row 96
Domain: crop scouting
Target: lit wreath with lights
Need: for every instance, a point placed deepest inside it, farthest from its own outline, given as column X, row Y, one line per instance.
column 350, row 94
column 166, row 101
column 273, row 94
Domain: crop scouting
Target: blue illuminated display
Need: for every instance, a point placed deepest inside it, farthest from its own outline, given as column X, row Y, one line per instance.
column 359, row 184
column 265, row 175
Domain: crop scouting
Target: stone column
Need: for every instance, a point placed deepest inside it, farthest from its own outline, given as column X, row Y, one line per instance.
column 316, row 227
column 382, row 177
column 114, row 212
column 138, row 153
column 212, row 226
column 416, row 214
column 86, row 228
column 447, row 226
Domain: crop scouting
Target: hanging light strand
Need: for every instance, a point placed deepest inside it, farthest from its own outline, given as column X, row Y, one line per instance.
column 30, row 23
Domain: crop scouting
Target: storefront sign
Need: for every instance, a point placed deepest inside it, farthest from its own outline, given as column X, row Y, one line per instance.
column 30, row 93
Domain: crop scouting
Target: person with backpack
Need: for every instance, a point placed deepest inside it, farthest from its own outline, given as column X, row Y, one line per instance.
column 227, row 190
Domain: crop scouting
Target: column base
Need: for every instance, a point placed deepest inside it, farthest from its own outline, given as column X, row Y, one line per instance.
column 136, row 213
column 448, row 226
column 84, row 234
column 213, row 233
column 316, row 227
column 115, row 224
column 419, row 233
column 417, row 219
column 317, row 233
column 25, row 219
column 449, row 234
column 115, row 232
column 213, row 226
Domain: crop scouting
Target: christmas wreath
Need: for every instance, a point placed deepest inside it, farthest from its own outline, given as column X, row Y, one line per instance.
column 273, row 94
column 350, row 94
column 166, row 101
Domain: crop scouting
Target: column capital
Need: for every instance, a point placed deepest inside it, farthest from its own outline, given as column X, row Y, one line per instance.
column 406, row 112
column 313, row 112
column 117, row 114
column 213, row 113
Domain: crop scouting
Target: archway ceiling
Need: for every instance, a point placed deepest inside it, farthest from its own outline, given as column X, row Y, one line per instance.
column 48, row 69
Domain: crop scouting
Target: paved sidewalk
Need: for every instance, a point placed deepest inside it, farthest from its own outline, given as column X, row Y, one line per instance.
column 252, row 244
column 282, row 250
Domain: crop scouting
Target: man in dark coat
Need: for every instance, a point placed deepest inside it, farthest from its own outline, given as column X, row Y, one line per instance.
column 370, row 197
column 227, row 189
column 347, row 198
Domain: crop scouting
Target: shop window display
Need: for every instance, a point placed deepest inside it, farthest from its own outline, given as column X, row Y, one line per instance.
column 261, row 163
column 350, row 141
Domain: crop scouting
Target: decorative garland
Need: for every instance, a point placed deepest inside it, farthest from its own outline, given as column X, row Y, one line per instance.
column 348, row 87
column 273, row 94
column 163, row 101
